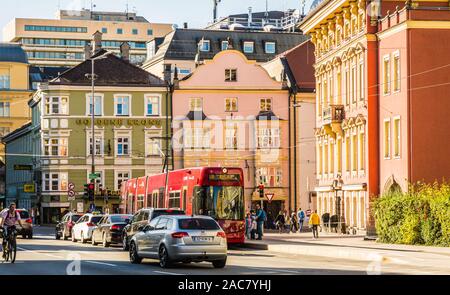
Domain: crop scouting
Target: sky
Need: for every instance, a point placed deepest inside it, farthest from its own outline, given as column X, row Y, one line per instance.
column 197, row 13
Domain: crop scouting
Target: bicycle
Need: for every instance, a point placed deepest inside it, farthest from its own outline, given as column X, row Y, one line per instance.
column 10, row 248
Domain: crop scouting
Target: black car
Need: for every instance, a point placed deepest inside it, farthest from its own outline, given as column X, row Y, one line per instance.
column 140, row 219
column 64, row 228
column 109, row 229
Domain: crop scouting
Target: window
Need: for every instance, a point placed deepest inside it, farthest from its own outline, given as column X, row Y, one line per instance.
column 122, row 103
column 4, row 82
column 98, row 145
column 265, row 104
column 56, row 29
column 269, row 176
column 4, row 109
column 230, row 75
column 386, row 75
column 120, row 31
column 231, row 104
column 135, row 31
column 387, row 139
column 149, row 32
column 98, row 107
column 397, row 71
column 152, row 106
column 354, row 84
column 196, row 138
column 268, row 138
column 347, row 153
column 184, row 71
column 4, row 131
column 123, row 146
column 354, row 152
column 196, row 104
column 270, row 47
column 121, row 177
column 56, row 105
column 361, row 81
column 249, row 47
column 397, row 134
column 362, row 151
column 104, row 30
column 204, row 45
column 347, row 87
column 224, row 45
column 174, row 199
column 54, row 181
column 231, row 139
column 339, row 155
column 55, row 146
column 153, row 147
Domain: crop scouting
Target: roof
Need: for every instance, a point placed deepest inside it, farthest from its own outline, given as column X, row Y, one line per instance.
column 16, row 133
column 44, row 74
column 10, row 52
column 298, row 63
column 274, row 14
column 315, row 7
column 182, row 44
column 111, row 71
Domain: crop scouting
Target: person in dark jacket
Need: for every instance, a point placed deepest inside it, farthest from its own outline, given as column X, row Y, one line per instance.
column 280, row 221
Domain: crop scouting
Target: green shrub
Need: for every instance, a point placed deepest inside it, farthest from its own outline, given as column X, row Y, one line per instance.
column 419, row 216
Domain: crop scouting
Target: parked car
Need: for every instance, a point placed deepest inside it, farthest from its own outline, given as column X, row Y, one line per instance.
column 109, row 229
column 140, row 219
column 82, row 230
column 27, row 230
column 180, row 239
column 64, row 228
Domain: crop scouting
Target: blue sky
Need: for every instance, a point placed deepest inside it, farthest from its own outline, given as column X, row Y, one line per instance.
column 196, row 12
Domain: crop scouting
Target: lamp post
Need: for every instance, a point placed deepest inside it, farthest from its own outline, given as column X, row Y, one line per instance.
column 92, row 76
column 165, row 167
column 337, row 187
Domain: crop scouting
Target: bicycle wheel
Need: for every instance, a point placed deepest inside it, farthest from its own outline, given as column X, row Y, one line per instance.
column 12, row 251
column 6, row 252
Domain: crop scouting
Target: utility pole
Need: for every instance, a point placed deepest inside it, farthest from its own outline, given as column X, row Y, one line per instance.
column 216, row 3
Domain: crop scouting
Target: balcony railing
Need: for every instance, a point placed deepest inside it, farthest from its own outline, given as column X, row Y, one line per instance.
column 334, row 114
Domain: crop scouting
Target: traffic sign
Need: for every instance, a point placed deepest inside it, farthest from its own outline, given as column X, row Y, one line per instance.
column 71, row 186
column 71, row 195
column 270, row 196
column 94, row 175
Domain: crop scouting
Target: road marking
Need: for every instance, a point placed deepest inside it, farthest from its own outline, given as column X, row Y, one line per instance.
column 37, row 252
column 168, row 273
column 98, row 262
column 274, row 269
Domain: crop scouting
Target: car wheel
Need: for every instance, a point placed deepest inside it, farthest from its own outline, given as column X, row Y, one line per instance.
column 73, row 237
column 93, row 240
column 134, row 256
column 125, row 243
column 57, row 235
column 164, row 259
column 82, row 239
column 105, row 242
column 219, row 263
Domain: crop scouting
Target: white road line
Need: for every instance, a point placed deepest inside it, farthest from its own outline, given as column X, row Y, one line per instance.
column 37, row 252
column 168, row 273
column 274, row 269
column 98, row 262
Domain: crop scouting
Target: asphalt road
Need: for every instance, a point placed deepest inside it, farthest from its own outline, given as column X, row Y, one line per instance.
column 43, row 255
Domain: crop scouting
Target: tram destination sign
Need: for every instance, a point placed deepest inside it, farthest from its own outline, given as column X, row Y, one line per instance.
column 225, row 177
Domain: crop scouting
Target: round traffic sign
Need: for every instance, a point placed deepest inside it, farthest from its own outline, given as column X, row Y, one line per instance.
column 71, row 186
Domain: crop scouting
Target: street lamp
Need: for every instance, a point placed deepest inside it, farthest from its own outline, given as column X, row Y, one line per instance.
column 337, row 187
column 92, row 76
column 166, row 167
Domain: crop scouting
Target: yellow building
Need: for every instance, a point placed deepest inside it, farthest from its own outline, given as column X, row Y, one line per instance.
column 14, row 95
column 62, row 41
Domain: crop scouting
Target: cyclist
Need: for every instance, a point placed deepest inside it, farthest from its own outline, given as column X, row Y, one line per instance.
column 9, row 217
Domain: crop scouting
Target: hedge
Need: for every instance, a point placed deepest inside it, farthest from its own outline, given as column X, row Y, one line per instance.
column 420, row 216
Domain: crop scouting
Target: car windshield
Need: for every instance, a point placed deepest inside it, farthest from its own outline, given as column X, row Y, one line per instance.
column 157, row 213
column 24, row 214
column 76, row 217
column 220, row 202
column 198, row 223
column 120, row 218
column 96, row 219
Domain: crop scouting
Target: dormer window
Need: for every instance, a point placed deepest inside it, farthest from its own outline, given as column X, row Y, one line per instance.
column 230, row 75
column 224, row 45
column 249, row 46
column 205, row 45
column 270, row 47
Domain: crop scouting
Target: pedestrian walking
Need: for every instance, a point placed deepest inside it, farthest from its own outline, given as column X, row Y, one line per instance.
column 248, row 225
column 314, row 220
column 301, row 219
column 253, row 225
column 33, row 216
column 260, row 218
column 294, row 222
column 280, row 221
column 288, row 222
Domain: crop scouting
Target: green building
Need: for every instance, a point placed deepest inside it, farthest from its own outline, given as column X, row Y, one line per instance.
column 131, row 130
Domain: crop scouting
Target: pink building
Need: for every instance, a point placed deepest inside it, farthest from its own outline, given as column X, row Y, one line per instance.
column 230, row 112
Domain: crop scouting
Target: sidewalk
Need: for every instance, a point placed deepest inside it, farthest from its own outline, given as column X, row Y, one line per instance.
column 352, row 247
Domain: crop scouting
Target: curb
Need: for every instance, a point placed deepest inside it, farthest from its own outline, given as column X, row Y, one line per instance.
column 251, row 245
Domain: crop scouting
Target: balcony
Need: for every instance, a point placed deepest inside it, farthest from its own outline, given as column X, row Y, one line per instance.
column 333, row 114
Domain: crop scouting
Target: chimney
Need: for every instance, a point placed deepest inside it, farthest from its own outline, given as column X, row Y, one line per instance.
column 87, row 51
column 250, row 19
column 185, row 25
column 167, row 74
column 97, row 41
column 125, row 51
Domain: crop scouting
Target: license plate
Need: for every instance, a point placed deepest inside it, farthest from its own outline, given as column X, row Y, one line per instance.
column 202, row 239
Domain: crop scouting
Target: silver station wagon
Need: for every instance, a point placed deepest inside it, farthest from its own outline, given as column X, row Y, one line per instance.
column 180, row 238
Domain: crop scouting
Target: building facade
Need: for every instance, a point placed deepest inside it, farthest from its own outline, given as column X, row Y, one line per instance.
column 414, row 94
column 130, row 129
column 230, row 112
column 61, row 42
column 14, row 95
